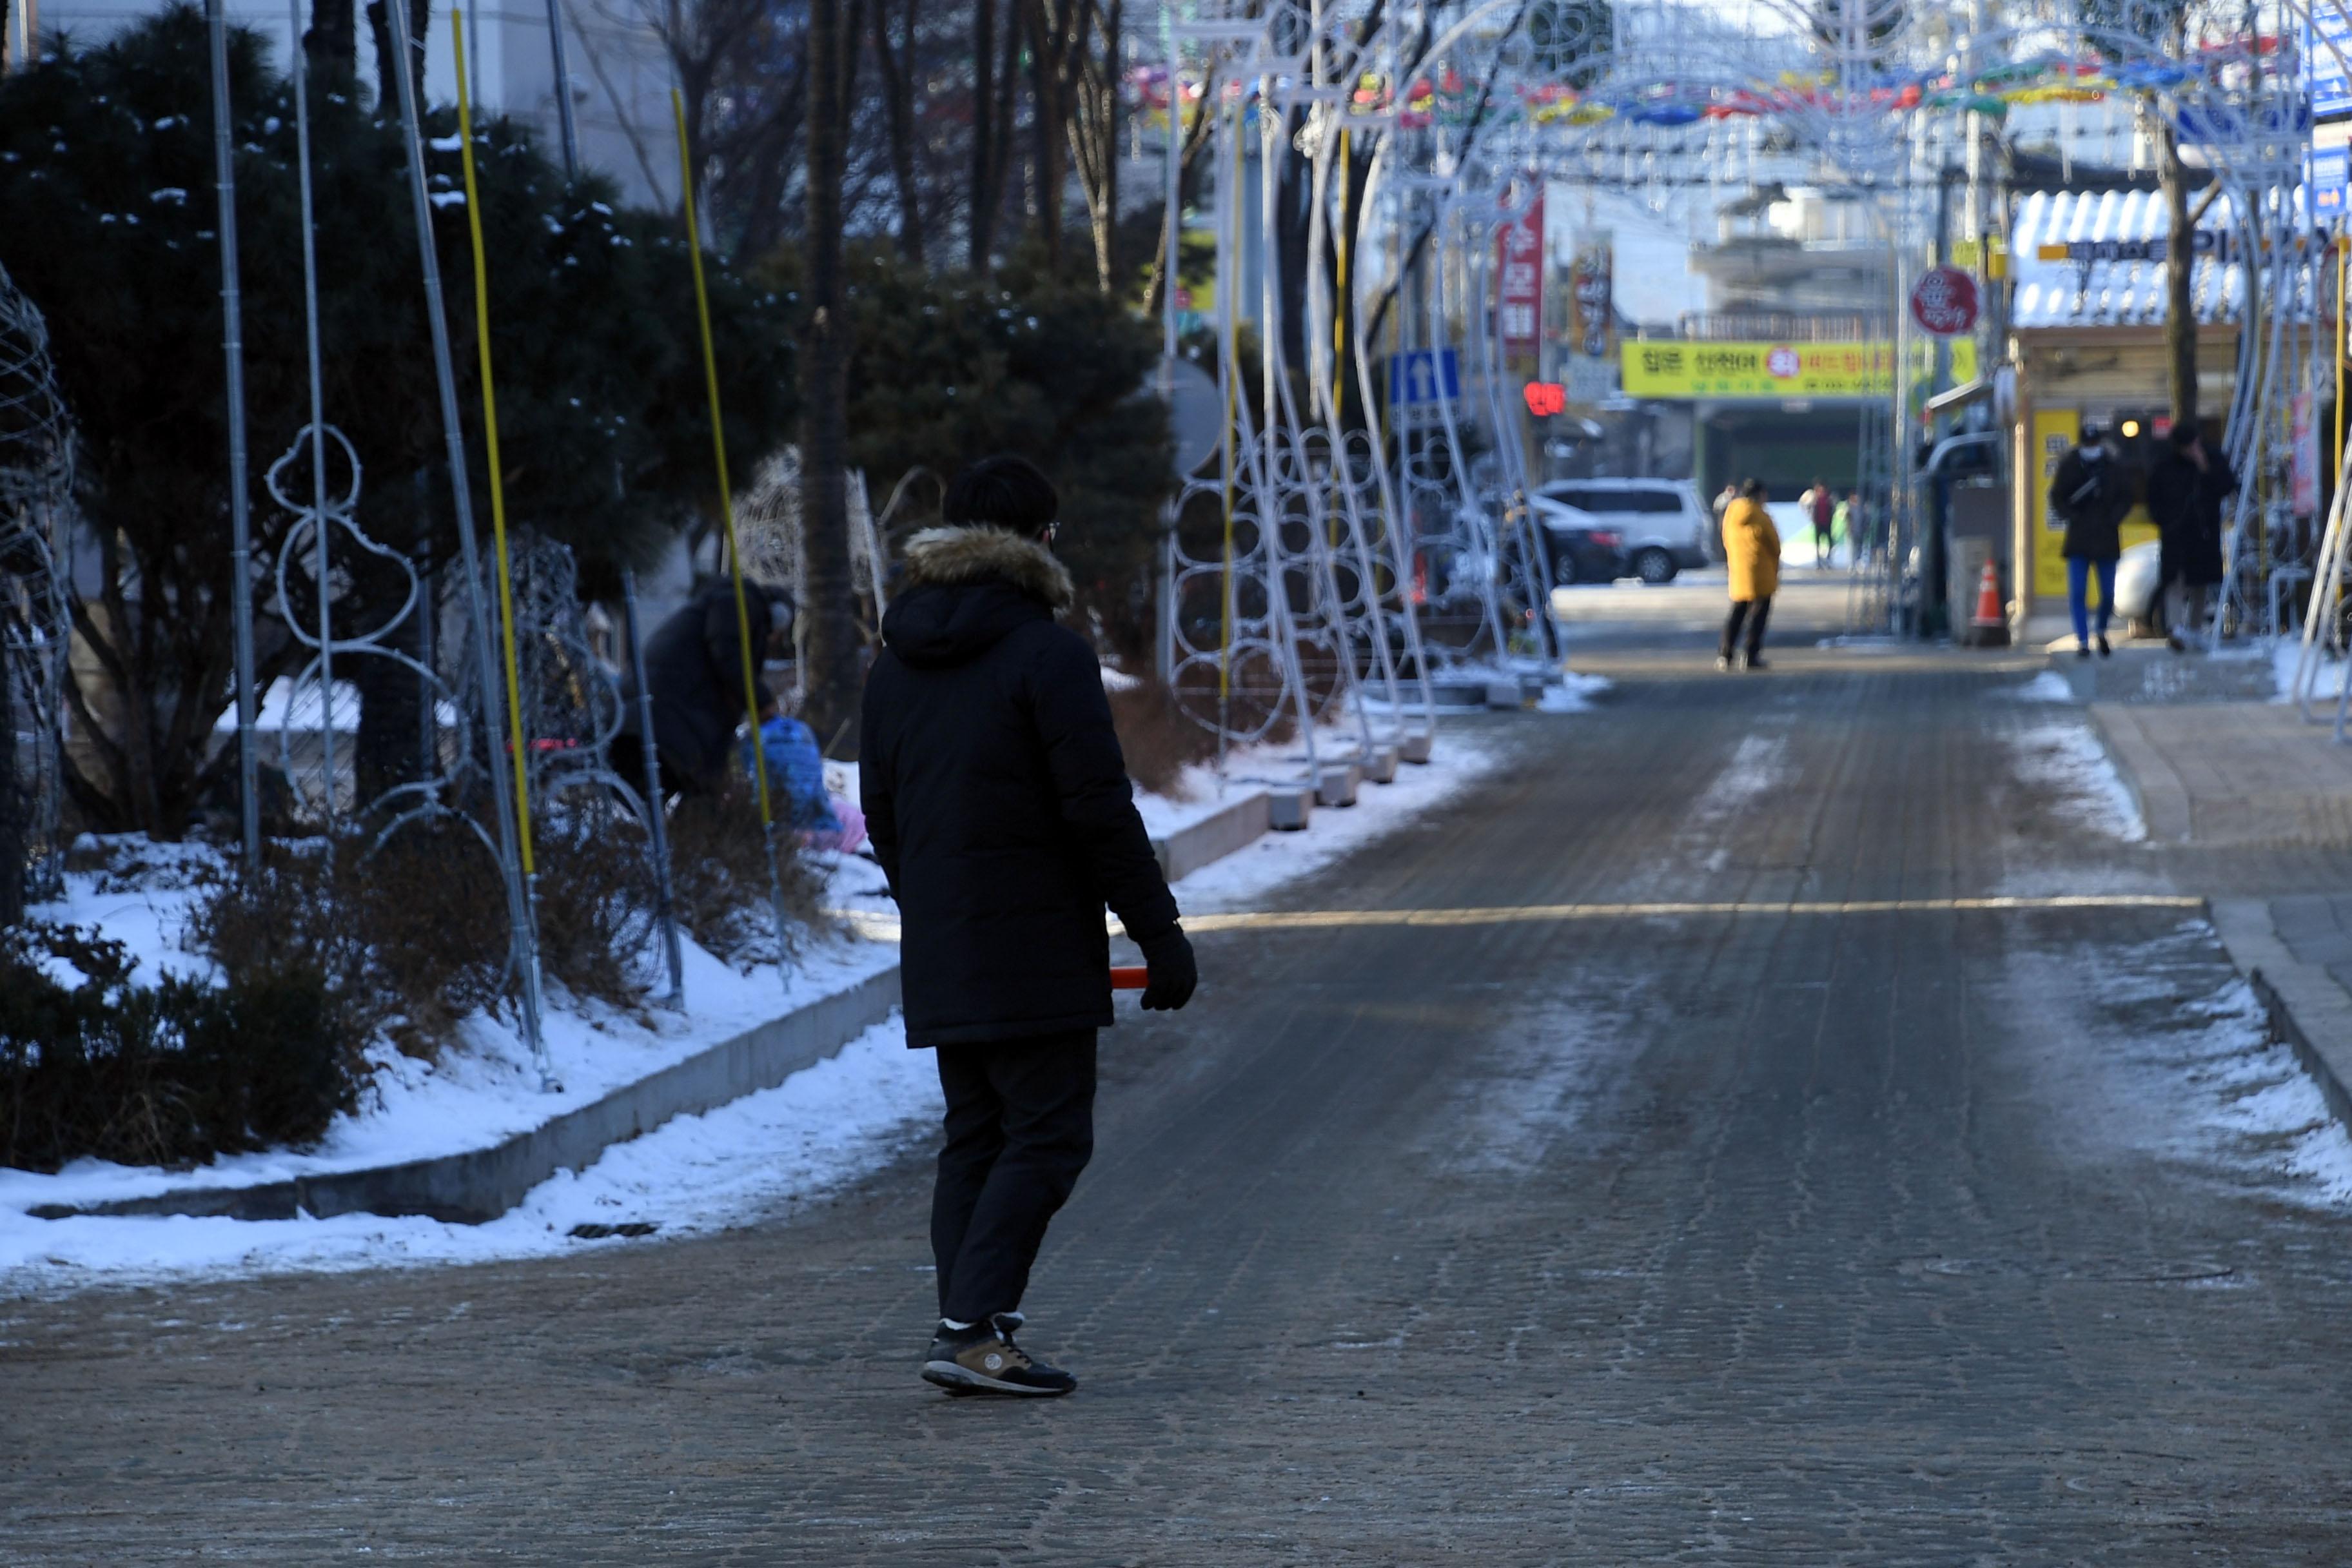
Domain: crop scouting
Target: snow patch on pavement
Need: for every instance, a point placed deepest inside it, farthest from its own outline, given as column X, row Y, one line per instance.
column 2065, row 759
column 2161, row 1049
column 2327, row 678
column 1547, row 1072
column 1574, row 694
column 1456, row 763
column 1759, row 766
column 2047, row 687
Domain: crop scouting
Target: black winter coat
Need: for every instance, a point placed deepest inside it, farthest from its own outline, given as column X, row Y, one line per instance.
column 2093, row 495
column 2187, row 503
column 997, row 798
column 694, row 665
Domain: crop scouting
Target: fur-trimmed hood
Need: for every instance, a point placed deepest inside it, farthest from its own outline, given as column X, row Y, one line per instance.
column 964, row 589
column 948, row 557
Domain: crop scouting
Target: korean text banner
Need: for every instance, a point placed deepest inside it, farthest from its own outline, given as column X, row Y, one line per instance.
column 1653, row 369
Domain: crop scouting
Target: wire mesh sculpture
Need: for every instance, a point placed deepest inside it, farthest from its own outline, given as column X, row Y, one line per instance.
column 768, row 530
column 571, row 709
column 37, row 468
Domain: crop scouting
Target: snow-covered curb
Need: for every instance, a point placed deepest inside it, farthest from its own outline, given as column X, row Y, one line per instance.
column 746, row 1158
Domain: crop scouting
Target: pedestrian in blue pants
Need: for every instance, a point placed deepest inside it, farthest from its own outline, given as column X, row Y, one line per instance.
column 2078, row 583
column 2090, row 493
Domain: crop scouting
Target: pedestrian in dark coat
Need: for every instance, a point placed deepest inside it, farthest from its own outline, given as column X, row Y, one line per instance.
column 2090, row 494
column 694, row 666
column 998, row 806
column 2188, row 488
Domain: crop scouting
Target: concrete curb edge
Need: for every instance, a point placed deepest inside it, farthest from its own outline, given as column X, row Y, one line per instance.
column 479, row 1184
column 2299, row 1000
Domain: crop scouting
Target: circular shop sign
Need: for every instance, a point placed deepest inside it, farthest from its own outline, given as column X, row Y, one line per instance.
column 1944, row 302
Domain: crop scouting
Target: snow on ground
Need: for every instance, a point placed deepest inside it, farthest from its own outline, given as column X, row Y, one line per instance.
column 1556, row 1067
column 2064, row 757
column 1758, row 767
column 755, row 1157
column 820, row 1128
column 2161, row 1050
column 141, row 900
column 1574, row 694
column 1455, row 764
column 2047, row 687
column 487, row 1087
column 2326, row 677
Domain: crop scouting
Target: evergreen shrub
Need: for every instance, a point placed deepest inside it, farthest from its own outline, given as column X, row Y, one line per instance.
column 176, row 1074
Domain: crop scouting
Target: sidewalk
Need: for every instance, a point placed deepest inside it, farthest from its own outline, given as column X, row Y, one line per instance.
column 2232, row 772
column 2212, row 769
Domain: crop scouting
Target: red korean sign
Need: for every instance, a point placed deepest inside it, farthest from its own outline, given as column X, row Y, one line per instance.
column 1944, row 302
column 1546, row 398
column 1518, row 263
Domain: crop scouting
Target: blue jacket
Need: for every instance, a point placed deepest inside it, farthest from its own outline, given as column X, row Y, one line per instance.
column 795, row 774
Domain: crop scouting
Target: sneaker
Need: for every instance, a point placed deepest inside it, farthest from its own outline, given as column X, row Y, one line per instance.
column 2172, row 640
column 982, row 1359
column 2081, row 650
column 1754, row 661
column 2105, row 651
column 1723, row 661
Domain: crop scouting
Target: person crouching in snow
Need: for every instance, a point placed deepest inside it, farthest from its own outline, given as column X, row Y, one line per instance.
column 999, row 806
column 820, row 819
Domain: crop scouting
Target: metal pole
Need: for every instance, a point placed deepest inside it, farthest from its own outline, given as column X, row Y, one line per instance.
column 524, row 941
column 734, row 550
column 2337, row 345
column 666, row 903
column 563, row 117
column 495, row 469
column 318, row 413
column 240, row 512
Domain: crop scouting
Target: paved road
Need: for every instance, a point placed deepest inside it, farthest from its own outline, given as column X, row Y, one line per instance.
column 1910, row 1237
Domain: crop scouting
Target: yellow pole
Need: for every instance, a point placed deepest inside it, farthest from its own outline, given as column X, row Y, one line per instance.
column 718, row 447
column 1339, row 288
column 490, row 447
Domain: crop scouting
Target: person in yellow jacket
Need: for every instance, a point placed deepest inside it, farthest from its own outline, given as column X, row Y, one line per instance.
column 1753, row 547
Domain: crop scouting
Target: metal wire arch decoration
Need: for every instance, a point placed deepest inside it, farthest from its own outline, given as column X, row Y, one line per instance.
column 36, row 479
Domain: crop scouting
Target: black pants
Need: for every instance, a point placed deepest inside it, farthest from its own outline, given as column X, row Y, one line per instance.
column 1755, row 612
column 1020, row 1128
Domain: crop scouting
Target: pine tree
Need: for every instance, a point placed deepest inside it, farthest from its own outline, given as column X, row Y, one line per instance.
column 105, row 219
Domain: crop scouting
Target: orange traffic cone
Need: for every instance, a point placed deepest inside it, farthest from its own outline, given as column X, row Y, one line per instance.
column 1989, row 600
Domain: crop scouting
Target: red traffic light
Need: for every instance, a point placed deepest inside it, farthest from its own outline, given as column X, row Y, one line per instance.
column 1546, row 398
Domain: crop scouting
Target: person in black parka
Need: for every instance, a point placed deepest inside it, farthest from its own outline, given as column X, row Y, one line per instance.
column 998, row 804
column 2186, row 488
column 2092, row 495
column 694, row 666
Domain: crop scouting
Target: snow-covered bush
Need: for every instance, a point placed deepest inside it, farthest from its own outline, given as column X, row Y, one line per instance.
column 720, row 871
column 92, row 1063
column 1155, row 737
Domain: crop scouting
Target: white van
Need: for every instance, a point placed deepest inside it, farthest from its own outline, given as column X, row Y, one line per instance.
column 1664, row 523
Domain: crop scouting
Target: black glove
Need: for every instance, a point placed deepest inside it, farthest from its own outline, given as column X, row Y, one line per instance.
column 1172, row 974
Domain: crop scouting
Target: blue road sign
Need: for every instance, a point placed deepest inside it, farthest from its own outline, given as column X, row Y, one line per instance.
column 2331, row 86
column 2326, row 173
column 1413, row 377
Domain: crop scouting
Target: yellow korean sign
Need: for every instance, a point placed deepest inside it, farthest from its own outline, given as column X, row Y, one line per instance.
column 1773, row 370
column 2055, row 431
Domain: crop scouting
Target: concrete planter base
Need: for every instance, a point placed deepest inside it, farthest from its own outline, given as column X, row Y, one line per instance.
column 479, row 1185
